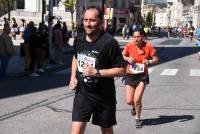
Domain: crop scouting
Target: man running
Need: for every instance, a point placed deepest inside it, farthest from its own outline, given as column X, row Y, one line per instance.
column 96, row 61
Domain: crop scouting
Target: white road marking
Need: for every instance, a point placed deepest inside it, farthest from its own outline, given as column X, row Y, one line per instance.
column 150, row 70
column 169, row 72
column 195, row 72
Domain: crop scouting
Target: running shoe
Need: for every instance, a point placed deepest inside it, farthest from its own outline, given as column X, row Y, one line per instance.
column 138, row 123
column 40, row 70
column 34, row 75
column 133, row 111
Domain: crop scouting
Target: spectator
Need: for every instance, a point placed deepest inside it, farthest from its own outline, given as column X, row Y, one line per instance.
column 6, row 50
column 65, row 34
column 34, row 44
column 22, row 27
column 110, row 30
column 43, row 48
column 57, row 44
column 14, row 28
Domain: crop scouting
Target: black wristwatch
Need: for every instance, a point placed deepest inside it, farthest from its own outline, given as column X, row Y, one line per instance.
column 98, row 73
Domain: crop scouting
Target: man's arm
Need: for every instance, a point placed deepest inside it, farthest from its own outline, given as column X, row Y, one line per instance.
column 112, row 72
column 73, row 80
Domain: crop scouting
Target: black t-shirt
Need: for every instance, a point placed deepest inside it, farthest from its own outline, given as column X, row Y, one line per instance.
column 104, row 53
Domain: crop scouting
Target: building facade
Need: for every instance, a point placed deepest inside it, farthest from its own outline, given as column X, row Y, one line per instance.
column 196, row 18
column 183, row 13
column 161, row 19
column 117, row 13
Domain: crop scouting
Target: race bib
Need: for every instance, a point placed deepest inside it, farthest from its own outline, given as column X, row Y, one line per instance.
column 137, row 68
column 85, row 60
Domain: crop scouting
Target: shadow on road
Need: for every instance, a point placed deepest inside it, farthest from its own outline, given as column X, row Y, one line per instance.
column 28, row 84
column 162, row 119
column 166, row 54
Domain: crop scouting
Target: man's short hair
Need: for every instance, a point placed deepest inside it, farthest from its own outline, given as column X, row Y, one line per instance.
column 100, row 13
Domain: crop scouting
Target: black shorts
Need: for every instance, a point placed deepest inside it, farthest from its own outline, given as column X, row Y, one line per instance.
column 101, row 116
column 134, row 79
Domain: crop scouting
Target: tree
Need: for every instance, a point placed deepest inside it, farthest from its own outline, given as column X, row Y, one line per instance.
column 149, row 19
column 70, row 5
column 7, row 4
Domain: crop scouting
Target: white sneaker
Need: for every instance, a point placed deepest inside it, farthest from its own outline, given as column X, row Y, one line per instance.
column 40, row 70
column 34, row 75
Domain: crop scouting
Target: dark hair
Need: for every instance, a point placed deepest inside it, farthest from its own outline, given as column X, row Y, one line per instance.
column 100, row 13
column 140, row 30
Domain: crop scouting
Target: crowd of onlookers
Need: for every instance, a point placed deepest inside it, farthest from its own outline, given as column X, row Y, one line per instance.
column 35, row 49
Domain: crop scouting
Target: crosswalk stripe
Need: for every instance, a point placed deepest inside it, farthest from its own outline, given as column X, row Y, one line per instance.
column 169, row 72
column 195, row 72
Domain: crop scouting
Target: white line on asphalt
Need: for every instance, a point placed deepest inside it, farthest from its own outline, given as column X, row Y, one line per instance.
column 150, row 70
column 195, row 72
column 169, row 72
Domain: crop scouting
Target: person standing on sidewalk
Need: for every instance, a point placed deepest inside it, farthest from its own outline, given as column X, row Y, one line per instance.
column 26, row 36
column 34, row 46
column 6, row 50
column 96, row 61
column 57, row 44
column 139, row 54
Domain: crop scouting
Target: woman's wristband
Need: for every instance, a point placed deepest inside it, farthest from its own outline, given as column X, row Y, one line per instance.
column 150, row 61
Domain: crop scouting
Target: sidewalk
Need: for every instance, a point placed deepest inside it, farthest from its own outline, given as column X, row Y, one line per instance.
column 16, row 63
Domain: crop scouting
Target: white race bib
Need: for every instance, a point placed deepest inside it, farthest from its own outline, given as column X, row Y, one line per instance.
column 137, row 68
column 85, row 60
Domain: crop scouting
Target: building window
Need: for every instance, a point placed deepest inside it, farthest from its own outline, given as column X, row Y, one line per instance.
column 20, row 4
column 137, row 2
column 122, row 20
column 121, row 4
column 114, row 3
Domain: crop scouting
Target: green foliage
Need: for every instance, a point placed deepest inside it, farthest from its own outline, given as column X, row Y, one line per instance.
column 149, row 19
column 6, row 3
column 69, row 4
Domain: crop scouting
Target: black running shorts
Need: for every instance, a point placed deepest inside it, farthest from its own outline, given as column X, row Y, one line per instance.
column 101, row 116
column 134, row 79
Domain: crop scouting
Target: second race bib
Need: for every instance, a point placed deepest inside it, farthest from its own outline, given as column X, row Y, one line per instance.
column 137, row 68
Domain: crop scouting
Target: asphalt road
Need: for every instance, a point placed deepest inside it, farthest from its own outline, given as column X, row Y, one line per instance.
column 171, row 103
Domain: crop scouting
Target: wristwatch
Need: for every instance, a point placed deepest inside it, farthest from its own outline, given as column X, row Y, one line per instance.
column 98, row 73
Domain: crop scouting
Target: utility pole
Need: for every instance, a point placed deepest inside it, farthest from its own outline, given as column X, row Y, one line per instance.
column 43, row 9
column 142, row 9
column 102, row 6
column 50, row 23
